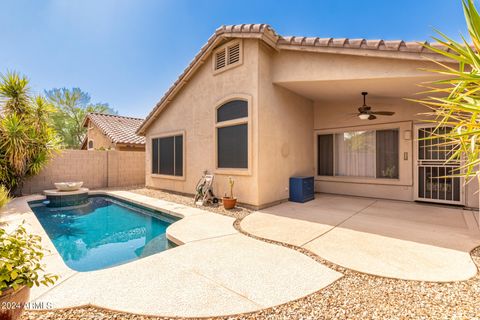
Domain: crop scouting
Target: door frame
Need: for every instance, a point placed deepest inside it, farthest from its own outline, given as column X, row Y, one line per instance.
column 416, row 182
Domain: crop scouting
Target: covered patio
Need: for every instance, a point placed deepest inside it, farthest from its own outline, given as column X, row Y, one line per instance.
column 397, row 239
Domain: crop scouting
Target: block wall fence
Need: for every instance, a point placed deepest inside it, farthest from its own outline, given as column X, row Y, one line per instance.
column 97, row 169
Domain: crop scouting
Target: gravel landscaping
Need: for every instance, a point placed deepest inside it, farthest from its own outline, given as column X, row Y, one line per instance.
column 238, row 212
column 354, row 296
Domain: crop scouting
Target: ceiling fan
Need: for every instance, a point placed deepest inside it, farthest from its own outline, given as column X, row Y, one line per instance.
column 365, row 113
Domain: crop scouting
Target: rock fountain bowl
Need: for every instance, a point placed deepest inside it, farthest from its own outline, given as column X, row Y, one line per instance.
column 68, row 186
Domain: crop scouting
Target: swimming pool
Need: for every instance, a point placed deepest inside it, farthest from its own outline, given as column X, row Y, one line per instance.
column 105, row 232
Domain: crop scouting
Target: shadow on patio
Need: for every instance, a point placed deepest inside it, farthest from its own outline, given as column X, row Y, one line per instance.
column 396, row 239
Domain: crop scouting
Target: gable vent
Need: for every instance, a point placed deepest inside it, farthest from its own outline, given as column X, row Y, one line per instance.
column 220, row 59
column 234, row 53
column 227, row 55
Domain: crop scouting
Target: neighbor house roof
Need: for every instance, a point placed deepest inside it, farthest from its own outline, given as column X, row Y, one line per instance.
column 399, row 49
column 118, row 128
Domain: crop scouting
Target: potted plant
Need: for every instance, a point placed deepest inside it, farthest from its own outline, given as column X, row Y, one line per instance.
column 20, row 269
column 229, row 202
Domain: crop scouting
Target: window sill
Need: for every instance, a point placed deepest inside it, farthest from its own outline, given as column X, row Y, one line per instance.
column 233, row 172
column 166, row 176
column 227, row 67
column 362, row 180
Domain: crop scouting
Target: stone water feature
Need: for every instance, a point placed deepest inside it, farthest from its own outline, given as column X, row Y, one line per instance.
column 66, row 194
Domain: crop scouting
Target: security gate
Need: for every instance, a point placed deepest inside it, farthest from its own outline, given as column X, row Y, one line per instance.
column 431, row 183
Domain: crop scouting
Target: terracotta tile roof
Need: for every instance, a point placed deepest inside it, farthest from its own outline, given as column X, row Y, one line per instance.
column 398, row 49
column 118, row 128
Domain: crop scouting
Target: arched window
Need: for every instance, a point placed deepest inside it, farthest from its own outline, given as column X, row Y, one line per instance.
column 232, row 135
column 90, row 144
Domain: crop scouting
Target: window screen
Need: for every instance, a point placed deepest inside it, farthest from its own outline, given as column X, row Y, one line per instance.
column 325, row 155
column 387, row 154
column 233, row 146
column 155, row 155
column 167, row 155
column 232, row 110
column 90, row 144
column 179, row 155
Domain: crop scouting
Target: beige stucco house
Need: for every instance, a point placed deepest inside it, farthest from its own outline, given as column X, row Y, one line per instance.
column 112, row 132
column 261, row 108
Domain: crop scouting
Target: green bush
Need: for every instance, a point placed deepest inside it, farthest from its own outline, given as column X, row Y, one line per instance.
column 20, row 260
column 4, row 198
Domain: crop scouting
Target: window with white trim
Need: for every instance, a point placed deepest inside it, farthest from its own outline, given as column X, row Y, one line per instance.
column 232, row 135
column 371, row 154
column 227, row 55
column 167, row 155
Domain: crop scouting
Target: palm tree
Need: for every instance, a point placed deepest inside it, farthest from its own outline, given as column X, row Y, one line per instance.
column 27, row 140
column 455, row 101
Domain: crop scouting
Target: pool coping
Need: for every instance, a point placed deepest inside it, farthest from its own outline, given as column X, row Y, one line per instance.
column 179, row 232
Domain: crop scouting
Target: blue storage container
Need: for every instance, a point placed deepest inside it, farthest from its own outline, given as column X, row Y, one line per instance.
column 301, row 189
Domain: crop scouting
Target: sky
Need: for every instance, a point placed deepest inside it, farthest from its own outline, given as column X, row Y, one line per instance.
column 127, row 53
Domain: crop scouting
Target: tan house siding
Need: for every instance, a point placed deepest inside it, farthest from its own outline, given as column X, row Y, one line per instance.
column 308, row 66
column 193, row 110
column 285, row 134
column 100, row 140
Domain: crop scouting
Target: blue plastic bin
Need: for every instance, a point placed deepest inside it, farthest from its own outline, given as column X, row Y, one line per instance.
column 302, row 189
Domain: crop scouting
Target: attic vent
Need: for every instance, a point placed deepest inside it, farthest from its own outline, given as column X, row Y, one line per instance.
column 234, row 53
column 220, row 59
column 227, row 55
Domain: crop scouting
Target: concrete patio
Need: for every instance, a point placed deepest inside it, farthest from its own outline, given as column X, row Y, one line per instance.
column 404, row 240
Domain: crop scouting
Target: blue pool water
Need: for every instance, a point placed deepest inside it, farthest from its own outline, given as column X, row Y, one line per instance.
column 104, row 233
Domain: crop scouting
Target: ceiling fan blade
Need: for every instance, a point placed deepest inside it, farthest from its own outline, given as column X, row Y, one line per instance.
column 372, row 117
column 384, row 113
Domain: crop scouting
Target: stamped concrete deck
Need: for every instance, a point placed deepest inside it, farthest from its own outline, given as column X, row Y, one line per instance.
column 395, row 239
column 216, row 271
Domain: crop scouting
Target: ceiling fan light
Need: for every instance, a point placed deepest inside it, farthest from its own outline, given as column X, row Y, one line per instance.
column 363, row 116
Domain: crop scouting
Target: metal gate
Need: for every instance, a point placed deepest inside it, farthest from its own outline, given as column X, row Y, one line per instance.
column 430, row 182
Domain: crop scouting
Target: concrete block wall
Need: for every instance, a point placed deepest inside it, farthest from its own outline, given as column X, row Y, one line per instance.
column 97, row 169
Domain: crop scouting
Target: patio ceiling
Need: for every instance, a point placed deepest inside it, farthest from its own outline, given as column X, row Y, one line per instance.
column 324, row 90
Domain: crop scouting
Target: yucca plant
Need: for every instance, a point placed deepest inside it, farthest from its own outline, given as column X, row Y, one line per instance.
column 4, row 197
column 454, row 101
column 27, row 139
